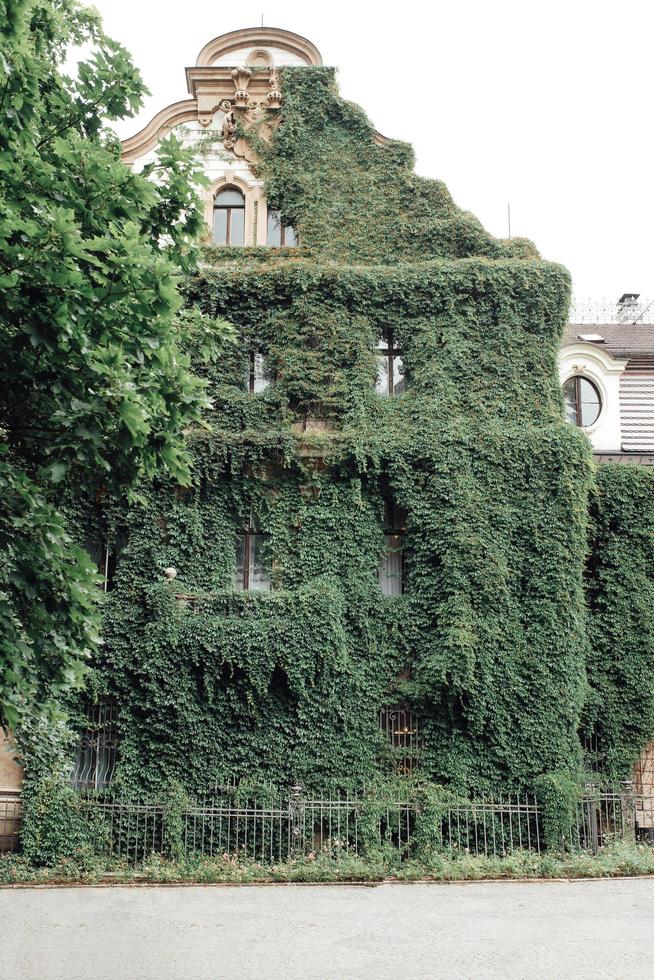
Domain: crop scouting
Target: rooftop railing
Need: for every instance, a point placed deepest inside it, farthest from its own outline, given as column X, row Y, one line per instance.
column 636, row 310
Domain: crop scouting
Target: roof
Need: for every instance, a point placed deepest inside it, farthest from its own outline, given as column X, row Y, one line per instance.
column 620, row 339
column 643, row 459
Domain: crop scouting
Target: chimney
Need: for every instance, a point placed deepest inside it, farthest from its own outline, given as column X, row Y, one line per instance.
column 628, row 309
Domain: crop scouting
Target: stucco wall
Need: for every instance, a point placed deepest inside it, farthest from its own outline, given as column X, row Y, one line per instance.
column 11, row 774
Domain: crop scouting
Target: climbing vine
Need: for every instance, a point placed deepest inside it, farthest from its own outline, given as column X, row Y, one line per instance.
column 619, row 715
column 488, row 643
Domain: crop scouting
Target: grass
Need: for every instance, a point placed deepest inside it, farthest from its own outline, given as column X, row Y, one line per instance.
column 614, row 861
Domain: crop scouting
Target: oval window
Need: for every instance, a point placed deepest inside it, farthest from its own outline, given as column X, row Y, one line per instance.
column 582, row 401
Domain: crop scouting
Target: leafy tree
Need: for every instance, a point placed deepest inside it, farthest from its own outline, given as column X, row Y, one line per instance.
column 95, row 390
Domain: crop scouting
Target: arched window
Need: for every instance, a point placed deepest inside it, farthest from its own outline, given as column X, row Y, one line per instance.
column 582, row 400
column 279, row 234
column 229, row 217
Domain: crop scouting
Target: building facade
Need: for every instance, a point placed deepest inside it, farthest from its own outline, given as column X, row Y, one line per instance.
column 380, row 566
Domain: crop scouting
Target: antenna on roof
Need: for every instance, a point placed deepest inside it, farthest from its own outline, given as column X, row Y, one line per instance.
column 508, row 215
column 262, row 20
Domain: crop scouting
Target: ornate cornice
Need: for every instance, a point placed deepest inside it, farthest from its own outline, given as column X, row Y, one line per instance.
column 158, row 127
column 242, row 93
column 259, row 37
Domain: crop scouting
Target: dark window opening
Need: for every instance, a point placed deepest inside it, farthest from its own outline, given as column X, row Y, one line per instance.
column 229, row 217
column 391, row 568
column 279, row 234
column 105, row 557
column 390, row 369
column 400, row 726
column 95, row 760
column 582, row 401
column 252, row 569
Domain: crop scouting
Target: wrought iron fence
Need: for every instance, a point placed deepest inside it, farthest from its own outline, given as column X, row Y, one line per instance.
column 294, row 824
column 494, row 827
column 634, row 309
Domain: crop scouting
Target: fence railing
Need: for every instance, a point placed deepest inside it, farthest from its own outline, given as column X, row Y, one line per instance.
column 637, row 309
column 295, row 824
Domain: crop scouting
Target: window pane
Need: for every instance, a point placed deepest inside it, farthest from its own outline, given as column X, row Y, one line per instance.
column 390, row 571
column 220, row 226
column 382, row 374
column 261, row 382
column 237, row 229
column 240, row 563
column 290, row 236
column 398, row 375
column 229, row 197
column 570, row 400
column 590, row 402
column 259, row 574
column 274, row 229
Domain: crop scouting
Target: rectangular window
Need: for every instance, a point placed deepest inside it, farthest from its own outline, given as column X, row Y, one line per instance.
column 280, row 234
column 95, row 759
column 257, row 379
column 391, row 569
column 401, row 729
column 390, row 369
column 252, row 570
column 104, row 557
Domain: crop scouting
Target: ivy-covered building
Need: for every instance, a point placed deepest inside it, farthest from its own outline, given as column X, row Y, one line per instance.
column 397, row 554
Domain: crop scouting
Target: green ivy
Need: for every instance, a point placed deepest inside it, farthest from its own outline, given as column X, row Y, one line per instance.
column 488, row 644
column 620, row 586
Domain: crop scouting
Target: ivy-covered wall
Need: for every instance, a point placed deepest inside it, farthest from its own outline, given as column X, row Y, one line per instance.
column 488, row 642
column 619, row 716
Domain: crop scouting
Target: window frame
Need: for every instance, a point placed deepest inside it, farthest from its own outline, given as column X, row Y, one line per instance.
column 252, row 373
column 577, row 379
column 394, row 528
column 274, row 215
column 228, row 208
column 97, row 747
column 245, row 536
column 399, row 724
column 391, row 353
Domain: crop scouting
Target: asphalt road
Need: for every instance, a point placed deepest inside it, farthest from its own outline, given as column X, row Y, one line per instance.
column 554, row 929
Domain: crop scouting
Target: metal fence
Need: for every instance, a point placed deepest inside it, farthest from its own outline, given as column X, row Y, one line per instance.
column 633, row 309
column 296, row 824
column 293, row 826
column 494, row 827
column 300, row 825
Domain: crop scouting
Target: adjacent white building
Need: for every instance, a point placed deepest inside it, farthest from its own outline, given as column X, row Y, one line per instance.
column 607, row 376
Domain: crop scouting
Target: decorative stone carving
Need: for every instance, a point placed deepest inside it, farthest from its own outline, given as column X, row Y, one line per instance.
column 241, row 78
column 259, row 58
column 229, row 129
column 274, row 97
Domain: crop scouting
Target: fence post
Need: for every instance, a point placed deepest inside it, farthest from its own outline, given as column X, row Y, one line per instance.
column 296, row 808
column 591, row 809
column 628, row 805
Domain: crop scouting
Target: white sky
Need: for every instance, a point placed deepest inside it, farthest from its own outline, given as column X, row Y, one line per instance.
column 547, row 105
